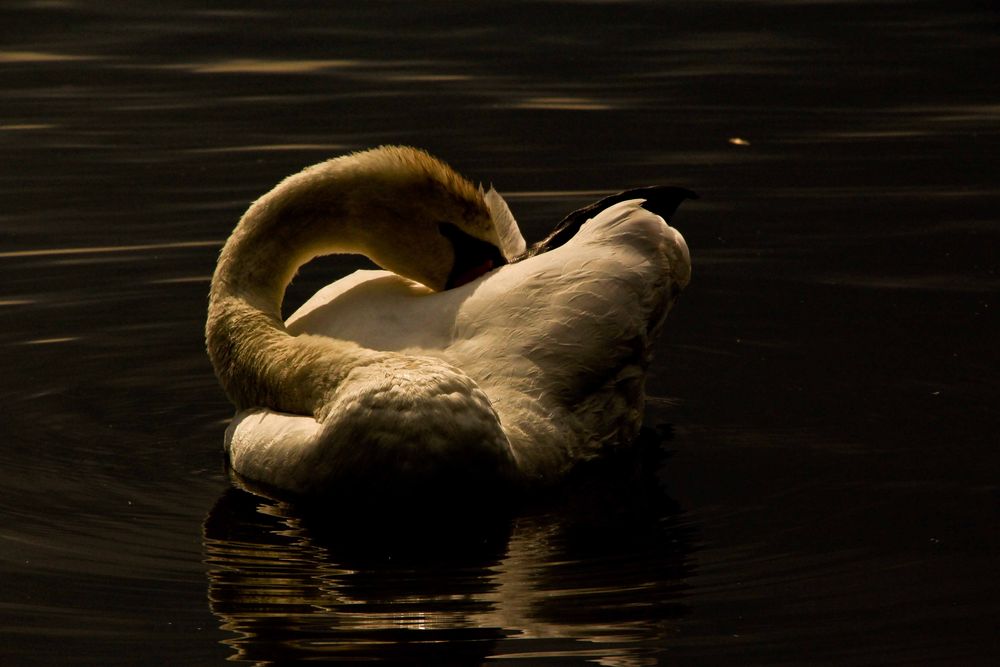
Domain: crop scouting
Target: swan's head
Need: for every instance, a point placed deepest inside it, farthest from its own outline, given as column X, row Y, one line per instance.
column 405, row 210
column 417, row 217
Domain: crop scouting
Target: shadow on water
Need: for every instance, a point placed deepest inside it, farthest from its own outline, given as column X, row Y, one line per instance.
column 596, row 570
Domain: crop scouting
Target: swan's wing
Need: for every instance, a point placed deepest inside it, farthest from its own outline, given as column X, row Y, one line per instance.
column 573, row 327
column 512, row 243
column 566, row 309
column 381, row 311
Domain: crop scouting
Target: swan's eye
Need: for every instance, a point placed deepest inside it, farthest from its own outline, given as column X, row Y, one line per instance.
column 473, row 257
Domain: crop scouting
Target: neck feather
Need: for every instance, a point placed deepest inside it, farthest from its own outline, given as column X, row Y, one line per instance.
column 257, row 361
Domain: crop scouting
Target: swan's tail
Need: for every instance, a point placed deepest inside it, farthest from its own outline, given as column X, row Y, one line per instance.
column 662, row 200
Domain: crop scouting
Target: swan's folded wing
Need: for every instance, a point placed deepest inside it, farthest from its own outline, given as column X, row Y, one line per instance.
column 573, row 327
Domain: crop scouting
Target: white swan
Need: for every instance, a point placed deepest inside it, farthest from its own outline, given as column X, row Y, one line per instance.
column 430, row 372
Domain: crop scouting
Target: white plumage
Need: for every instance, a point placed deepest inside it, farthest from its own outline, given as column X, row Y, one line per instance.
column 514, row 376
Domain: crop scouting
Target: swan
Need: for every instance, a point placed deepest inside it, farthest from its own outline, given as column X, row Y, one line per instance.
column 468, row 360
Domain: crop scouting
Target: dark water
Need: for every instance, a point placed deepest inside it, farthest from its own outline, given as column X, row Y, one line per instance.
column 824, row 486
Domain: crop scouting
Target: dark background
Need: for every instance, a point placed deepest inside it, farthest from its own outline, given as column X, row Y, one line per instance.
column 826, row 390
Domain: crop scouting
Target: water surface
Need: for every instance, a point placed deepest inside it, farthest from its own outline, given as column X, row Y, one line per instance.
column 819, row 483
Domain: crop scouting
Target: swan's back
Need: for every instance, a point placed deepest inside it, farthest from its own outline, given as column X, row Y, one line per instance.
column 559, row 343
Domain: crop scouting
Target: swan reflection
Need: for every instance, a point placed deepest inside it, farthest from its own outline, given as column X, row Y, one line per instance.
column 597, row 573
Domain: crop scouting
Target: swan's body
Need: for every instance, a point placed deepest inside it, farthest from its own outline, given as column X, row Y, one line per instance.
column 380, row 380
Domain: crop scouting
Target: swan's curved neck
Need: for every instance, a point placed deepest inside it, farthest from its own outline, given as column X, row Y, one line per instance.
column 360, row 203
column 255, row 358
